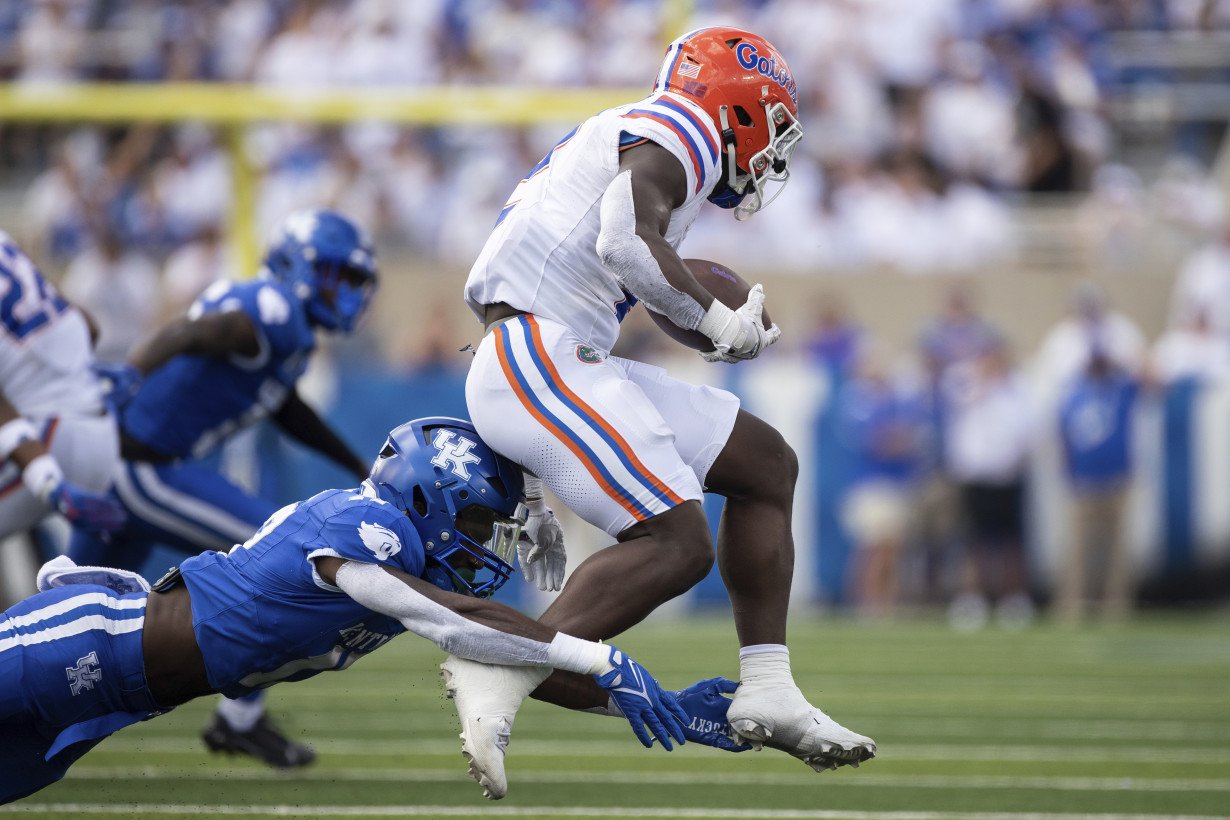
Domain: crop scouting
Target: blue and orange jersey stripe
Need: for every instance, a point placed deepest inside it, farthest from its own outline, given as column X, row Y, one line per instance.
column 559, row 430
column 664, row 112
column 710, row 140
column 578, row 446
column 618, row 443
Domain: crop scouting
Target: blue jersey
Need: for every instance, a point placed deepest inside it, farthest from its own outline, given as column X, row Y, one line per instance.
column 263, row 615
column 883, row 431
column 193, row 403
column 1096, row 428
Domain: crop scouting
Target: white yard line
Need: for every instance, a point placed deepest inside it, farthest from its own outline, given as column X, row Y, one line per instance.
column 610, row 748
column 845, row 778
column 149, row 809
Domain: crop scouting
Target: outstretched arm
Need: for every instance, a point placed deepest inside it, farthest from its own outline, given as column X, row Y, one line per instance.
column 299, row 421
column 478, row 629
column 482, row 630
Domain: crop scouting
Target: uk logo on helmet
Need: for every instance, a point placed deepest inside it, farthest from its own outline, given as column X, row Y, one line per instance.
column 454, row 453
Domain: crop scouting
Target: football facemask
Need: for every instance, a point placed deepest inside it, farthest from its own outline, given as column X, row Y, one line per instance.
column 770, row 164
column 479, row 559
column 342, row 296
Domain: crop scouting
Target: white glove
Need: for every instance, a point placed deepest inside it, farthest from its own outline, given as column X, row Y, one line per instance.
column 542, row 557
column 738, row 334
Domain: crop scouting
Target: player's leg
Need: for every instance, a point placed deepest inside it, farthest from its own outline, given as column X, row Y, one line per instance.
column 188, row 507
column 756, row 472
column 183, row 506
column 575, row 417
column 192, row 508
column 71, row 673
column 569, row 414
column 1117, row 593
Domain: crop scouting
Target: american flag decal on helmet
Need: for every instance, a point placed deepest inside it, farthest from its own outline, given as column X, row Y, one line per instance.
column 688, row 69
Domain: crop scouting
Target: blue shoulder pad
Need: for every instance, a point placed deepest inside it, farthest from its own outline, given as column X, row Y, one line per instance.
column 361, row 528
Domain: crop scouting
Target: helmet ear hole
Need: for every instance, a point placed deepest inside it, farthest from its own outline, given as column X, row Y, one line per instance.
column 744, row 118
column 418, row 500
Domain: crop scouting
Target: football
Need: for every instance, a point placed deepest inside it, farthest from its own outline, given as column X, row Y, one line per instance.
column 726, row 286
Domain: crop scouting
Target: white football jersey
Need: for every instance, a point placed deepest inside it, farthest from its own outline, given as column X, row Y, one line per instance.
column 45, row 353
column 541, row 257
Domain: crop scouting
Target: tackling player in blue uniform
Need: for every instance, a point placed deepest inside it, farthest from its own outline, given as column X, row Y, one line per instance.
column 418, row 546
column 233, row 359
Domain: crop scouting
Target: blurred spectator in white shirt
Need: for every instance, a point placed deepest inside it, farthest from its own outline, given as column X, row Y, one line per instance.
column 303, row 53
column 1204, row 280
column 51, row 41
column 1113, row 218
column 976, row 226
column 1066, row 348
column 57, row 201
column 1191, row 349
column 988, row 440
column 118, row 287
column 191, row 268
column 193, row 184
column 242, row 29
column 376, row 52
column 969, row 122
column 1188, row 196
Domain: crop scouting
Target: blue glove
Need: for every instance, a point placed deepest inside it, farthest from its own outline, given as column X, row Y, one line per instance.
column 121, row 381
column 706, row 708
column 643, row 702
column 102, row 513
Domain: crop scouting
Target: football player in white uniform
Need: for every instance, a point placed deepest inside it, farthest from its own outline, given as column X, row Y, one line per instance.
column 58, row 444
column 589, row 232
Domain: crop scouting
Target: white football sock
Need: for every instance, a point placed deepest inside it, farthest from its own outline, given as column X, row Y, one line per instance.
column 241, row 713
column 765, row 664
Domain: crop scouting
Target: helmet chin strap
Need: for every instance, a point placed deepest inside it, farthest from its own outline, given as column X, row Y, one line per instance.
column 734, row 181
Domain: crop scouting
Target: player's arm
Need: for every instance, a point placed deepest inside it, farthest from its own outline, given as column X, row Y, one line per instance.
column 636, row 211
column 214, row 334
column 635, row 214
column 42, row 475
column 483, row 630
column 299, row 421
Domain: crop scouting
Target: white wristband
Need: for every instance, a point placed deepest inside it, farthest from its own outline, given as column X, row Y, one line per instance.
column 534, row 499
column 715, row 321
column 42, row 475
column 15, row 433
column 575, row 655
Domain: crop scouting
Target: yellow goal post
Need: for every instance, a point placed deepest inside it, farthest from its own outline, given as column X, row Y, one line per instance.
column 233, row 107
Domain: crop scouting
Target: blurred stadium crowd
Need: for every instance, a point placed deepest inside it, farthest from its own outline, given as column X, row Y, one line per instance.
column 936, row 463
column 927, row 125
column 923, row 120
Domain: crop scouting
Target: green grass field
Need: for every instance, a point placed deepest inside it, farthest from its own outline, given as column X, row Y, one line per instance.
column 1127, row 722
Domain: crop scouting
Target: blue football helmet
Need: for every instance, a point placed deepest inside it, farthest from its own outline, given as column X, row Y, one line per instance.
column 463, row 498
column 328, row 263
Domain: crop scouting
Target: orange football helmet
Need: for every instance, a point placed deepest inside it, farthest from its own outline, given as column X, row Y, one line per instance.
column 744, row 84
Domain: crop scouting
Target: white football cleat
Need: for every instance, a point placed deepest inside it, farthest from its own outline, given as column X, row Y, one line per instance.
column 781, row 718
column 487, row 699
